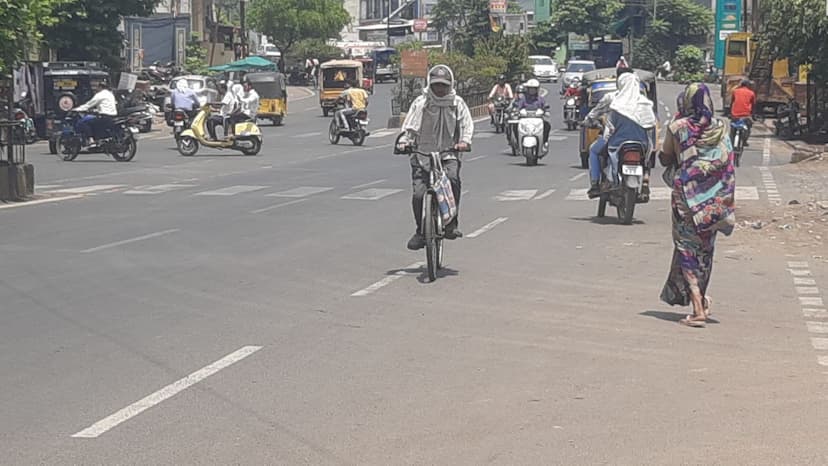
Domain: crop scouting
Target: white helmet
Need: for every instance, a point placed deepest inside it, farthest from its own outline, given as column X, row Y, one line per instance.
column 532, row 83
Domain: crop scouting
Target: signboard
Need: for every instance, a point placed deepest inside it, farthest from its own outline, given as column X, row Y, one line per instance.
column 414, row 63
column 127, row 81
column 723, row 34
column 420, row 25
column 728, row 20
column 577, row 42
column 498, row 6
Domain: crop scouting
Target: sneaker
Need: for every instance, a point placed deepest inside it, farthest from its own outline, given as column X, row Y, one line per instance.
column 416, row 242
column 594, row 191
column 452, row 233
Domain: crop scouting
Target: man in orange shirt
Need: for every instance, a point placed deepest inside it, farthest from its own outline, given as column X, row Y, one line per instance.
column 741, row 107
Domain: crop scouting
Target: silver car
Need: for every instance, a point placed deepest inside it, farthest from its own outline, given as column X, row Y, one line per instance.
column 205, row 87
column 575, row 69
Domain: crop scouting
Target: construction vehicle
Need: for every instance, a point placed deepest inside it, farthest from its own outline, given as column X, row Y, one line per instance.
column 745, row 57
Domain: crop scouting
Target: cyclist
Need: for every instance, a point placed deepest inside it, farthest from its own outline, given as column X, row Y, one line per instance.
column 438, row 119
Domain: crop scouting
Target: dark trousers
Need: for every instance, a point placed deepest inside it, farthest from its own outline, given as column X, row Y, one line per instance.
column 419, row 182
column 213, row 122
column 96, row 127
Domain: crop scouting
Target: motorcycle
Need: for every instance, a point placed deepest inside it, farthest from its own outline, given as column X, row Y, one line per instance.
column 530, row 135
column 118, row 141
column 738, row 135
column 356, row 131
column 246, row 137
column 571, row 113
column 25, row 133
column 500, row 105
column 512, row 131
column 181, row 123
column 626, row 188
column 787, row 124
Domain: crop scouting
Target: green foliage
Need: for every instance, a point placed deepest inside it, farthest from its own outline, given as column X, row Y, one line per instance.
column 679, row 22
column 88, row 29
column 196, row 62
column 286, row 22
column 513, row 49
column 544, row 37
column 798, row 30
column 19, row 27
column 689, row 63
column 464, row 21
column 591, row 18
column 313, row 48
column 649, row 55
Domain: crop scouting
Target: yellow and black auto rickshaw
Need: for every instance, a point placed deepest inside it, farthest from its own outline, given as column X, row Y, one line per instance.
column 332, row 78
column 272, row 89
column 596, row 85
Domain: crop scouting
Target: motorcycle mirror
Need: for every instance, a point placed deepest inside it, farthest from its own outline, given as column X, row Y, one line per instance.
column 23, row 95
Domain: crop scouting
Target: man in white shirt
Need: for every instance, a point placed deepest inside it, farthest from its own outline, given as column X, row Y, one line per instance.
column 248, row 104
column 105, row 106
column 228, row 106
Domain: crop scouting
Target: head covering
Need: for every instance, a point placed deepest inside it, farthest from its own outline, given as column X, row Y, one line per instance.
column 437, row 125
column 695, row 115
column 631, row 103
column 238, row 91
column 441, row 74
column 181, row 85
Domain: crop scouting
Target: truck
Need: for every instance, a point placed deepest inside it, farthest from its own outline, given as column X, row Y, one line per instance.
column 746, row 58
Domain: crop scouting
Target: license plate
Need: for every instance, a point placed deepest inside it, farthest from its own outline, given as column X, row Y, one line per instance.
column 363, row 122
column 636, row 170
column 133, row 130
column 179, row 123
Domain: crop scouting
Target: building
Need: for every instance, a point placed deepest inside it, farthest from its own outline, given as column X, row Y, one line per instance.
column 161, row 37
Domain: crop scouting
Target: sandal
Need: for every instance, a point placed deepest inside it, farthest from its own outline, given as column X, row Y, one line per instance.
column 708, row 303
column 693, row 321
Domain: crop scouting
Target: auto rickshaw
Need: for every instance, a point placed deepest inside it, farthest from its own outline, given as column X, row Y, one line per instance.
column 367, row 74
column 272, row 89
column 596, row 85
column 332, row 78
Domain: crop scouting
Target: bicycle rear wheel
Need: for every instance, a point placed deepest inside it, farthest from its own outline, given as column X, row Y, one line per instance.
column 430, row 233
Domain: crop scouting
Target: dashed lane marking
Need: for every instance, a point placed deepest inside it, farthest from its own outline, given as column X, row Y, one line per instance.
column 302, row 191
column 158, row 189
column 743, row 193
column 487, row 227
column 370, row 183
column 50, row 200
column 88, row 189
column 516, row 195
column 544, row 195
column 131, row 240
column 231, row 190
column 387, row 280
column 276, row 206
column 372, row 194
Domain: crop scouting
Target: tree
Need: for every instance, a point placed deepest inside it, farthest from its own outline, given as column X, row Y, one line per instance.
column 464, row 21
column 798, row 30
column 286, row 22
column 544, row 37
column 19, row 27
column 89, row 29
column 689, row 63
column 196, row 62
column 679, row 22
column 591, row 18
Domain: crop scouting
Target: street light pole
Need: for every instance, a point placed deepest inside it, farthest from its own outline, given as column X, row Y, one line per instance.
column 388, row 25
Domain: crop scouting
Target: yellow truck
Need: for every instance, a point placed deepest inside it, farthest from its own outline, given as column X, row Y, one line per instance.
column 746, row 58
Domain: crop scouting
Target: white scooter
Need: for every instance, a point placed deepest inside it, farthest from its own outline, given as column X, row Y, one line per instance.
column 530, row 135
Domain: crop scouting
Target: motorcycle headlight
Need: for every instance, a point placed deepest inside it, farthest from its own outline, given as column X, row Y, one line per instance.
column 570, row 102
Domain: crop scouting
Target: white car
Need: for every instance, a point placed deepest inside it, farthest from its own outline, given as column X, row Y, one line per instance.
column 206, row 88
column 544, row 68
column 575, row 69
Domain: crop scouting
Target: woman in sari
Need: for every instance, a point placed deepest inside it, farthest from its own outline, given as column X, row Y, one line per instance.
column 699, row 160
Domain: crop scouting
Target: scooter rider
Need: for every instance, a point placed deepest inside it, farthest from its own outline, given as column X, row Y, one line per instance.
column 105, row 106
column 229, row 104
column 248, row 104
column 532, row 101
column 501, row 89
column 438, row 119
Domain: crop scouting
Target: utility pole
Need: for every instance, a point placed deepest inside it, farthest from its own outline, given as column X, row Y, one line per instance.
column 243, row 29
column 388, row 25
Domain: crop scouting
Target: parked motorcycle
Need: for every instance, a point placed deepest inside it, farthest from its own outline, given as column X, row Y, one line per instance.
column 530, row 134
column 739, row 130
column 118, row 141
column 633, row 161
column 570, row 111
column 356, row 131
column 787, row 124
column 500, row 105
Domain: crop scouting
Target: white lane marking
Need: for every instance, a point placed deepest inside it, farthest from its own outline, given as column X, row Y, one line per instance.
column 158, row 189
column 463, row 193
column 815, row 302
column 798, row 265
column 815, row 313
column 544, row 195
column 47, row 187
column 383, row 133
column 766, row 153
column 743, row 193
column 15, row 205
column 804, row 281
column 88, row 189
column 822, row 360
column 371, row 183
column 483, row 135
column 577, row 195
column 817, row 327
column 557, row 138
column 307, row 135
column 231, row 190
column 807, row 290
column 276, row 206
column 516, row 195
column 372, row 194
column 487, row 227
column 302, row 191
column 476, row 158
column 800, row 273
column 771, row 189
column 387, row 280
column 578, row 176
column 107, row 423
column 819, row 343
column 131, row 240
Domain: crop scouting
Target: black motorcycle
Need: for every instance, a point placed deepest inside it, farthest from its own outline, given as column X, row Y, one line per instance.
column 500, row 105
column 356, row 131
column 787, row 124
column 119, row 139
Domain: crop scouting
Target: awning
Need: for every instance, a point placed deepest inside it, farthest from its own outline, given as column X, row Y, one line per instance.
column 383, row 26
column 250, row 63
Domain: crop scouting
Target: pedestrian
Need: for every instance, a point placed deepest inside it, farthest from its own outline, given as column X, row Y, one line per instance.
column 699, row 160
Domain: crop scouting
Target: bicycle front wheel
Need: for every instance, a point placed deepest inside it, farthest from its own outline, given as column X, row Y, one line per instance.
column 430, row 234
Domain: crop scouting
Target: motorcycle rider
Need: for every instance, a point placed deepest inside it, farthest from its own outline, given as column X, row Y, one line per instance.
column 184, row 99
column 437, row 120
column 105, row 106
column 741, row 107
column 501, row 89
column 356, row 100
column 532, row 101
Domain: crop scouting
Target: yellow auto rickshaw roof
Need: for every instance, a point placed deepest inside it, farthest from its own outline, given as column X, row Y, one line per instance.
column 341, row 64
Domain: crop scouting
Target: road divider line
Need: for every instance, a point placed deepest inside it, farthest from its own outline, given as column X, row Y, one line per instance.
column 40, row 201
column 276, row 206
column 365, row 185
column 387, row 280
column 578, row 176
column 131, row 240
column 487, row 227
column 544, row 194
column 476, row 158
column 123, row 415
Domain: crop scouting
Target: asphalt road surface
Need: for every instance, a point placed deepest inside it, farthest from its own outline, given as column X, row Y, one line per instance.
column 224, row 309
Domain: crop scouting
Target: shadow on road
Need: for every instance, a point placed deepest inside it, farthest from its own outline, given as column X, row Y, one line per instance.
column 442, row 273
column 608, row 220
column 672, row 316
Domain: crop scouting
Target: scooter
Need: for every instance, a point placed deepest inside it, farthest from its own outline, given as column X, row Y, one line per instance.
column 571, row 113
column 356, row 131
column 530, row 134
column 629, row 180
column 246, row 137
column 500, row 105
column 118, row 141
column 28, row 133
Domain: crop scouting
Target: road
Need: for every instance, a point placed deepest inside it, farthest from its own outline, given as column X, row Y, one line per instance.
column 225, row 309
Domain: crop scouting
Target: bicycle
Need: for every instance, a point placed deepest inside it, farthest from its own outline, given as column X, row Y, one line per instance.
column 434, row 216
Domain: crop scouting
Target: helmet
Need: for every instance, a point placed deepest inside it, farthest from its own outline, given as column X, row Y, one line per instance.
column 532, row 83
column 521, row 88
column 746, row 82
column 502, row 77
